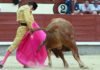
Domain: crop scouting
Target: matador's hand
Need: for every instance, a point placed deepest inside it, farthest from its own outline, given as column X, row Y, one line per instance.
column 31, row 30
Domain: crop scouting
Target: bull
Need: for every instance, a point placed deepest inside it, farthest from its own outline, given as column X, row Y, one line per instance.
column 59, row 38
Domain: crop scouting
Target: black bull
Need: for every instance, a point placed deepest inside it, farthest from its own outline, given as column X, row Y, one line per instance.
column 59, row 38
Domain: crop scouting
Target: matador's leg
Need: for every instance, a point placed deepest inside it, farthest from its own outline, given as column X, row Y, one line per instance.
column 20, row 34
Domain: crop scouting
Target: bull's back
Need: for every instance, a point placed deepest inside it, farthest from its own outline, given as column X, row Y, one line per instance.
column 62, row 25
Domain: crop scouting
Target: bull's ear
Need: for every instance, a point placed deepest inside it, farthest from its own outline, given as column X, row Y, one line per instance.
column 15, row 2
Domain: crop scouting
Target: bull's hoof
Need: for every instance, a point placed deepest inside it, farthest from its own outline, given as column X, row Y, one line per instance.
column 66, row 66
column 84, row 67
column 50, row 65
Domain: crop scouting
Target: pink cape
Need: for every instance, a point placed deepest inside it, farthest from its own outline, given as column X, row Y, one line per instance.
column 26, row 53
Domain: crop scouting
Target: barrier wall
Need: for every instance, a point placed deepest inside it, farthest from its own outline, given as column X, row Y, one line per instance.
column 87, row 27
column 39, row 1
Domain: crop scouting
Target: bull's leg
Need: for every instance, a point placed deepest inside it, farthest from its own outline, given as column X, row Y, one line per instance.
column 49, row 58
column 70, row 42
column 62, row 57
column 75, row 53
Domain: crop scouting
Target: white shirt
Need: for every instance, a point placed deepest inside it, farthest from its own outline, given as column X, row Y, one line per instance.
column 83, row 8
column 95, row 8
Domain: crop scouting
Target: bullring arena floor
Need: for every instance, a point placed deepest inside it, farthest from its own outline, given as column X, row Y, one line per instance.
column 90, row 55
column 92, row 61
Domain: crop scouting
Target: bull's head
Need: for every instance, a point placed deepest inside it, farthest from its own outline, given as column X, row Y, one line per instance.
column 52, row 29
